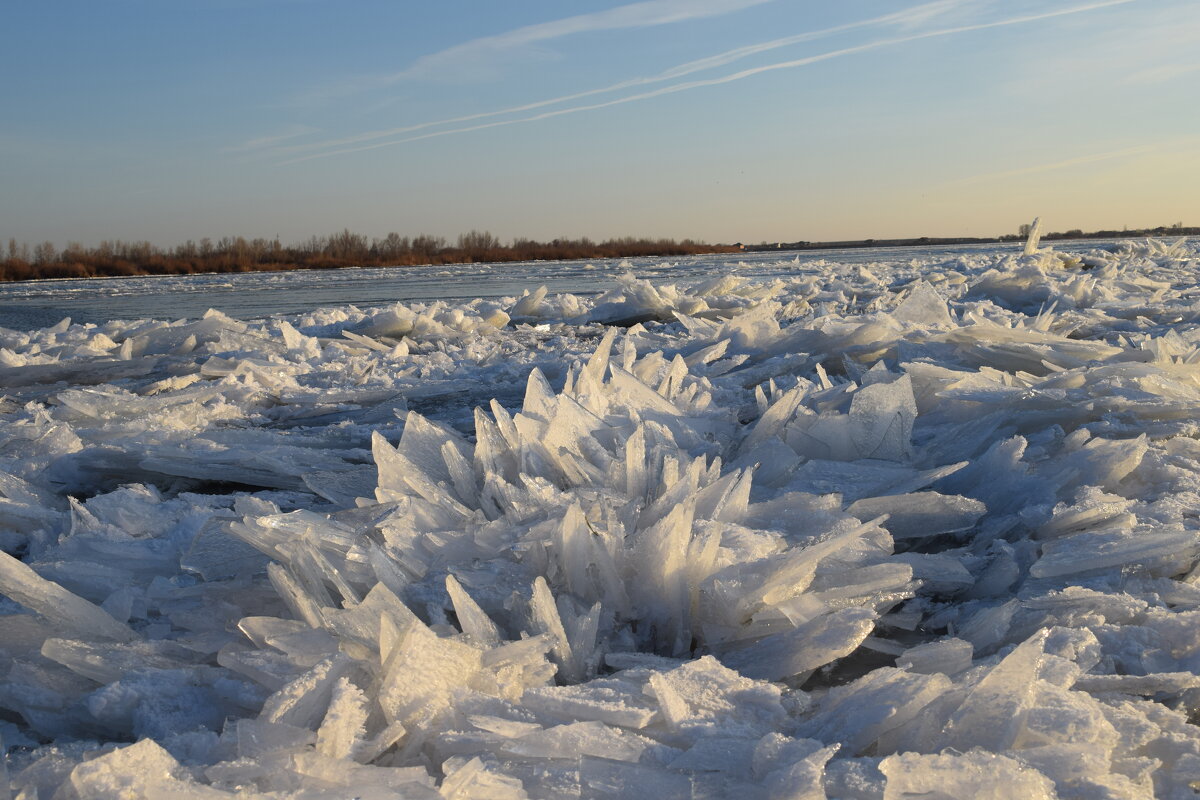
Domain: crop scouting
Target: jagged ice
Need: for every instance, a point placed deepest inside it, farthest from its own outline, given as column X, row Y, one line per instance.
column 905, row 529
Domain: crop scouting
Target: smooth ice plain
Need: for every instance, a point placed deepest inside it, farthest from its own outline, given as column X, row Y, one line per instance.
column 924, row 528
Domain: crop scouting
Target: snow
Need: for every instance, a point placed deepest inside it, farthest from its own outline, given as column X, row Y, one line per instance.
column 874, row 530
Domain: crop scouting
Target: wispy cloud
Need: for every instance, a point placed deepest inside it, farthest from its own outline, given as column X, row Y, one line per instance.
column 1160, row 74
column 479, row 57
column 690, row 68
column 1149, row 44
column 1055, row 166
column 273, row 140
column 903, row 19
column 645, row 14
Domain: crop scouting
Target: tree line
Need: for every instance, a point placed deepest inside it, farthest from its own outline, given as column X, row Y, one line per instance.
column 1174, row 229
column 343, row 249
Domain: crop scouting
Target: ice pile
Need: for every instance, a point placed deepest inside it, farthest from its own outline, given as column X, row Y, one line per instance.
column 885, row 531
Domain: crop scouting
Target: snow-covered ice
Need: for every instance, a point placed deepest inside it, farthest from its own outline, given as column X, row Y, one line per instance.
column 926, row 528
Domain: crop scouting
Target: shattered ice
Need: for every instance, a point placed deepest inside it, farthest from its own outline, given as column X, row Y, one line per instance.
column 920, row 529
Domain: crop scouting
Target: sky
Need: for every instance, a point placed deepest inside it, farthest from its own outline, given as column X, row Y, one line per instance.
column 718, row 120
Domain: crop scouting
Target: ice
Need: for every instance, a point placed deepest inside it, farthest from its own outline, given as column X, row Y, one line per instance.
column 107, row 664
column 973, row 774
column 992, row 715
column 607, row 779
column 947, row 656
column 577, row 739
column 704, row 697
column 921, row 514
column 472, row 779
column 807, row 647
column 61, row 608
column 139, row 770
column 473, row 619
column 342, row 728
column 613, row 704
column 792, row 767
column 924, row 306
column 801, row 528
column 877, row 424
column 1090, row 551
column 1034, row 237
column 214, row 554
column 530, row 305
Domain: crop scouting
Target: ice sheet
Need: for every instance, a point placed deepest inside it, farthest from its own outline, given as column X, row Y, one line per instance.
column 881, row 530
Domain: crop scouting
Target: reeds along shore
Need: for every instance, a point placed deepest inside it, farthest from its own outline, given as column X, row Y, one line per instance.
column 345, row 249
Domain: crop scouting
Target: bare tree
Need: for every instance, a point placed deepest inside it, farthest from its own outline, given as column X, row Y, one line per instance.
column 347, row 245
column 477, row 241
column 45, row 253
column 392, row 246
column 428, row 246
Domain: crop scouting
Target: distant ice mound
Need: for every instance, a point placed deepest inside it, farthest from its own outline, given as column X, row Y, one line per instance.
column 635, row 301
column 894, row 530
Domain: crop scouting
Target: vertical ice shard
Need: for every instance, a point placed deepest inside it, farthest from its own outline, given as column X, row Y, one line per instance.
column 881, row 419
column 420, row 673
column 342, row 728
column 546, row 619
column 993, row 715
column 662, row 585
column 304, row 701
column 1034, row 238
column 473, row 620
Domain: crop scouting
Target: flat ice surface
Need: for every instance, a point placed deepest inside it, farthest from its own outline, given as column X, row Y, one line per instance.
column 261, row 294
column 919, row 524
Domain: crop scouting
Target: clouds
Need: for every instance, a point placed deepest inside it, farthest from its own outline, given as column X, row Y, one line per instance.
column 705, row 119
column 1161, row 74
column 1147, row 43
column 1064, row 164
column 478, row 56
column 912, row 23
column 272, row 140
column 904, row 19
column 481, row 58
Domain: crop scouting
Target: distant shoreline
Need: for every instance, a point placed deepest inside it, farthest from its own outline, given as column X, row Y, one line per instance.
column 349, row 250
column 118, row 259
column 929, row 241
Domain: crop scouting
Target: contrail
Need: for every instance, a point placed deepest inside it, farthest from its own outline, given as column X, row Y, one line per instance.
column 697, row 84
column 648, row 13
column 923, row 11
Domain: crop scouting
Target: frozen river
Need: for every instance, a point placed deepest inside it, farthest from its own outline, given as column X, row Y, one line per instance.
column 262, row 294
column 852, row 525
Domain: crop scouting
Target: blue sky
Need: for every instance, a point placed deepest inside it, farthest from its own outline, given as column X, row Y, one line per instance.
column 723, row 120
